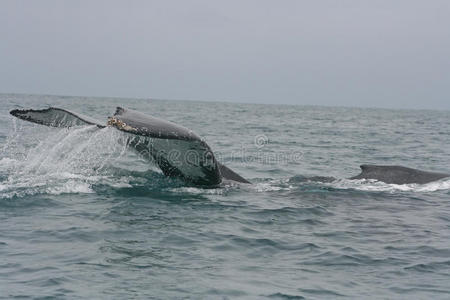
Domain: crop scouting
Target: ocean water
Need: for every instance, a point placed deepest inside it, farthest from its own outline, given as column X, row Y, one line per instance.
column 82, row 217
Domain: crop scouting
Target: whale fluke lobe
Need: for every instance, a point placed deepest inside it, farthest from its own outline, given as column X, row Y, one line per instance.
column 55, row 117
column 398, row 174
column 139, row 123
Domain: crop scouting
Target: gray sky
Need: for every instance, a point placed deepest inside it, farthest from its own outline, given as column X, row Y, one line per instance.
column 393, row 53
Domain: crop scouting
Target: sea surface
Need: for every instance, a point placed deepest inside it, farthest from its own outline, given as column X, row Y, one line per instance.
column 82, row 217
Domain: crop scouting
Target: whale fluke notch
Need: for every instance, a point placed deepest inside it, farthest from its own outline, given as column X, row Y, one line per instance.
column 55, row 117
column 398, row 174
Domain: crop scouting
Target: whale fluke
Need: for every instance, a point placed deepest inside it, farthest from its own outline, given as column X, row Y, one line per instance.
column 177, row 150
column 398, row 174
column 55, row 117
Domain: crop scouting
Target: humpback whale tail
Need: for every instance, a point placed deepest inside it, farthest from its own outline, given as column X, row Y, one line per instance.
column 177, row 150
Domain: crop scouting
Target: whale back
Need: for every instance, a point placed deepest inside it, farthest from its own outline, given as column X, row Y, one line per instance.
column 398, row 174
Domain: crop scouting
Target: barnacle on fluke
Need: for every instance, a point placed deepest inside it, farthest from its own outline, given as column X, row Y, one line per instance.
column 112, row 121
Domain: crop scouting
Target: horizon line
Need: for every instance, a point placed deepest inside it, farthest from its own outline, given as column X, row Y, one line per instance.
column 226, row 101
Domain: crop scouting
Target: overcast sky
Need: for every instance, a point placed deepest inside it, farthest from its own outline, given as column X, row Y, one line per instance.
column 393, row 53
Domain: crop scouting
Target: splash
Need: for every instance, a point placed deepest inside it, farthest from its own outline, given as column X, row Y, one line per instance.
column 370, row 185
column 57, row 161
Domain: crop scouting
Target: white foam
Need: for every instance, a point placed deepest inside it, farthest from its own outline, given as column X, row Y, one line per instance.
column 356, row 184
column 273, row 185
column 198, row 191
column 70, row 187
column 374, row 185
column 268, row 187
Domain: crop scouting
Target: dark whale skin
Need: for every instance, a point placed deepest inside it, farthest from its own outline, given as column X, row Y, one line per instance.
column 140, row 124
column 54, row 117
column 398, row 174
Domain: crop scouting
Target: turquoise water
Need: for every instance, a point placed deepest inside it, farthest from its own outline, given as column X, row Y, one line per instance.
column 83, row 217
